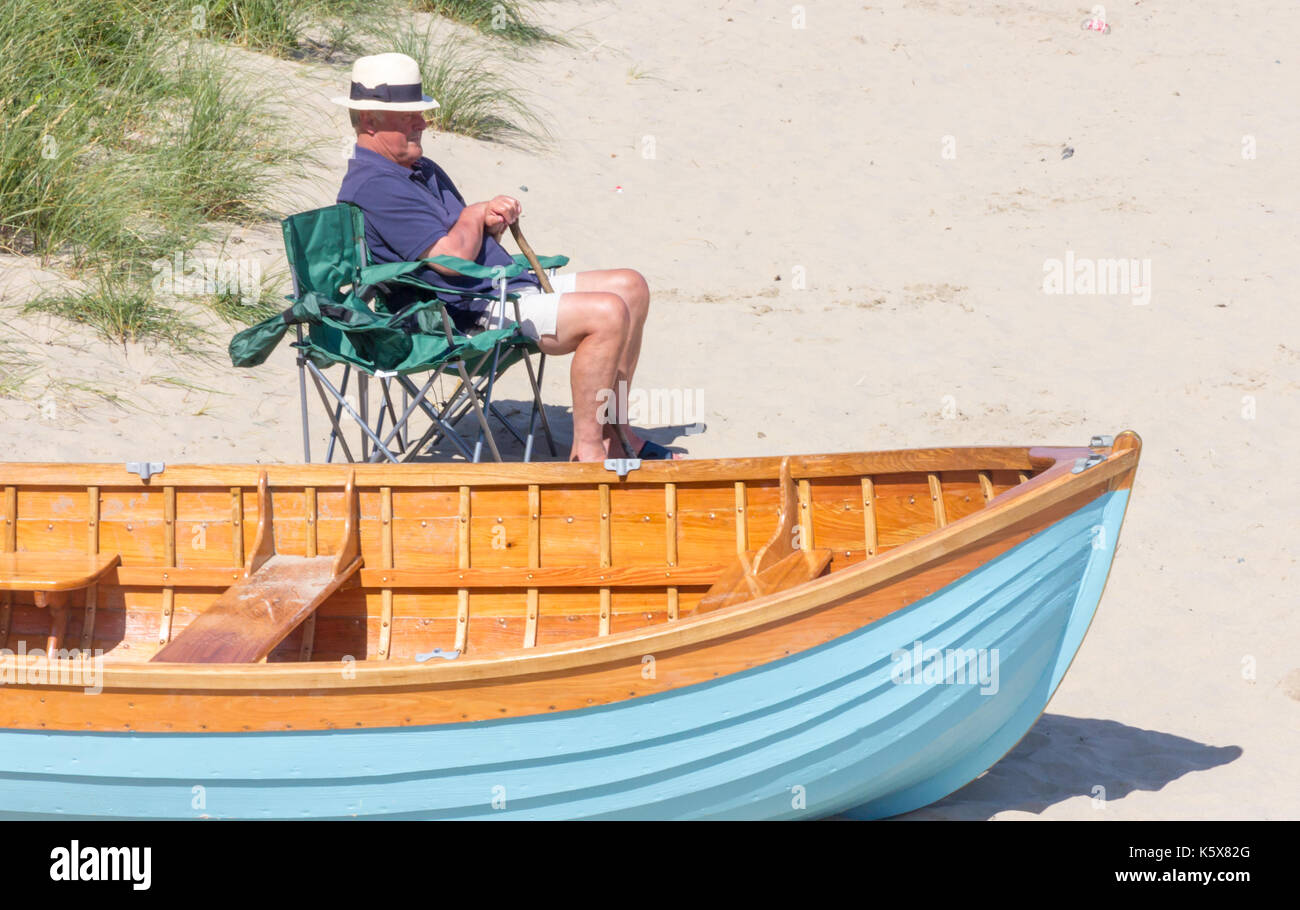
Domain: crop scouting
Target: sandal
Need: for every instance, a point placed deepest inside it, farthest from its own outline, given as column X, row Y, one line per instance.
column 653, row 451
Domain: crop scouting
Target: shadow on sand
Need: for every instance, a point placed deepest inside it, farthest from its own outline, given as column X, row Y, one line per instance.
column 675, row 438
column 1065, row 757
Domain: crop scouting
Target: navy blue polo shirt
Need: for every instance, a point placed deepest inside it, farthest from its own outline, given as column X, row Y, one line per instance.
column 408, row 210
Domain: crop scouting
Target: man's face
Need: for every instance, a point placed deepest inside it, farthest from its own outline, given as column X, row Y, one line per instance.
column 396, row 134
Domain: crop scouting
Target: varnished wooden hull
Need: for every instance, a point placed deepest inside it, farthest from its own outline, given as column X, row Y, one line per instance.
column 789, row 706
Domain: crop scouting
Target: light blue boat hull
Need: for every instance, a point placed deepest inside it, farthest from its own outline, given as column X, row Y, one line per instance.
column 823, row 732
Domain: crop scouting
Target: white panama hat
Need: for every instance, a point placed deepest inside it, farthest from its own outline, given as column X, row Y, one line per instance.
column 386, row 82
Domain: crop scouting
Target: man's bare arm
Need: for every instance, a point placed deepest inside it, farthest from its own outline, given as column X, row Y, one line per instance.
column 463, row 240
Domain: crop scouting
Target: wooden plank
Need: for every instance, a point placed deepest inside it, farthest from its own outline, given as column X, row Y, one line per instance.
column 386, row 560
column 308, row 641
column 544, row 577
column 805, row 516
column 165, row 619
column 871, row 540
column 92, row 548
column 741, row 584
column 936, row 497
column 92, row 519
column 742, row 523
column 246, row 623
column 237, row 525
column 670, row 513
column 169, row 526
column 88, row 618
column 11, row 520
column 169, row 561
column 605, row 548
column 533, row 604
column 737, row 584
column 986, row 485
column 462, row 561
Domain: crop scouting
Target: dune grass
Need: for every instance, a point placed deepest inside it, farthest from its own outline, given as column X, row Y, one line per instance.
column 129, row 136
column 121, row 308
column 123, row 143
column 280, row 27
column 474, row 99
column 15, row 369
column 502, row 19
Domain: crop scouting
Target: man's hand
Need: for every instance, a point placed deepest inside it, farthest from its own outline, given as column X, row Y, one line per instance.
column 501, row 211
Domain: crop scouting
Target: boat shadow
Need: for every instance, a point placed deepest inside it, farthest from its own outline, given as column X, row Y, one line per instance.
column 1065, row 757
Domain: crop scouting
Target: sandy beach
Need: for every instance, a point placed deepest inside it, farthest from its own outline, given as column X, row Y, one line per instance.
column 847, row 215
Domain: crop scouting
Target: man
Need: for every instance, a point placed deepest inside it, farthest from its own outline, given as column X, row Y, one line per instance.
column 414, row 211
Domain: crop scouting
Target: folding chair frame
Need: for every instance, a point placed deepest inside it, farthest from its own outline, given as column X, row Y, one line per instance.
column 473, row 392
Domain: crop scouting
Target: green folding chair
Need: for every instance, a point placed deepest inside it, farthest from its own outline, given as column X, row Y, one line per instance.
column 341, row 302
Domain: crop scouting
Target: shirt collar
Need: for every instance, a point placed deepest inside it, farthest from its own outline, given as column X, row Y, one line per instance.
column 367, row 158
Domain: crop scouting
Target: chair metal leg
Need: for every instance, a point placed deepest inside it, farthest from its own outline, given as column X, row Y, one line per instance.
column 302, row 396
column 478, row 412
column 338, row 412
column 438, row 425
column 538, row 408
column 337, row 432
column 365, row 427
column 363, row 399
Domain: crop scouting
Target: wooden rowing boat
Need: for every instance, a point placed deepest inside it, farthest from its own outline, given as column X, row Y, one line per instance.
column 755, row 637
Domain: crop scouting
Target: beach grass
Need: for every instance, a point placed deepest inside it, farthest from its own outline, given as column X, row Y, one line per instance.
column 130, row 137
column 474, row 98
column 15, row 369
column 121, row 307
column 281, row 27
column 237, row 310
column 504, row 19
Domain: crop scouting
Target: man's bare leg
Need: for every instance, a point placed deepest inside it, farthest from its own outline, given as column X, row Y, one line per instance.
column 631, row 287
column 593, row 327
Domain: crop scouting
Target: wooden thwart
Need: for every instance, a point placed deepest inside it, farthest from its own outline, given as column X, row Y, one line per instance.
column 777, row 565
column 276, row 593
column 52, row 571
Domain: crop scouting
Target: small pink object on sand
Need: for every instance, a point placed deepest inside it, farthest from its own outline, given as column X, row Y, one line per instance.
column 1096, row 25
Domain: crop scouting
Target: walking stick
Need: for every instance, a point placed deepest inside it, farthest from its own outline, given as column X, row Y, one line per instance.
column 536, row 266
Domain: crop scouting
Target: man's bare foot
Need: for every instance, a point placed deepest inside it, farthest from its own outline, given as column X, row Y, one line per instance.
column 592, row 452
column 615, row 446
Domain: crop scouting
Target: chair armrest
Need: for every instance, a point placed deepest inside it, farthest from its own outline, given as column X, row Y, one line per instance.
column 546, row 262
column 386, row 271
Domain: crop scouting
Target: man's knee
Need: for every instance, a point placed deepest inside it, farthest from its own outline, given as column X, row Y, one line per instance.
column 609, row 314
column 635, row 291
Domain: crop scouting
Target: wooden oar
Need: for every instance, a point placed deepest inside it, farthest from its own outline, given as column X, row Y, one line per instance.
column 536, row 266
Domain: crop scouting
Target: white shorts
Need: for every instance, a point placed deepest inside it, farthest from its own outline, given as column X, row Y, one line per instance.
column 538, row 312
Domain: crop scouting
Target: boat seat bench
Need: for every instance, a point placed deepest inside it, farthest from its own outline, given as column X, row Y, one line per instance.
column 245, row 623
column 275, row 594
column 53, row 572
column 52, row 577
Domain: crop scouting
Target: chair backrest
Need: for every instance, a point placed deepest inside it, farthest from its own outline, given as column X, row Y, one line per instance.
column 326, row 249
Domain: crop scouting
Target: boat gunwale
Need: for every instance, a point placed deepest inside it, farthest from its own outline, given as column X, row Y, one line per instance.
column 544, row 474
column 1056, row 483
